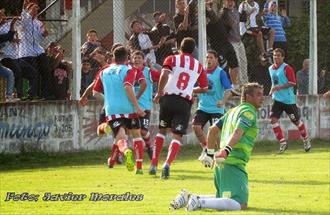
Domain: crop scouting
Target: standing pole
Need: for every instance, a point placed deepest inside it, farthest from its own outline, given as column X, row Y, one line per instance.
column 118, row 20
column 202, row 32
column 76, row 43
column 313, row 48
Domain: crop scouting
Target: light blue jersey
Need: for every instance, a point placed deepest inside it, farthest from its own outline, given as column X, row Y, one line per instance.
column 115, row 99
column 279, row 77
column 277, row 23
column 218, row 84
column 145, row 101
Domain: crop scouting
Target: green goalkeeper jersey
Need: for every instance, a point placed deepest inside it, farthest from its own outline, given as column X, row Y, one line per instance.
column 243, row 116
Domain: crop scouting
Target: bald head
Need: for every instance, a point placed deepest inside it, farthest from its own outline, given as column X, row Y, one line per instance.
column 306, row 64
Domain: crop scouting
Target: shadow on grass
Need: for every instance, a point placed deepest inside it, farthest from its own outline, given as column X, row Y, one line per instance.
column 284, row 211
column 32, row 160
column 293, row 182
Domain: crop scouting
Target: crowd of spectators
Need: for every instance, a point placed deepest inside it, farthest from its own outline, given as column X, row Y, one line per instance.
column 49, row 75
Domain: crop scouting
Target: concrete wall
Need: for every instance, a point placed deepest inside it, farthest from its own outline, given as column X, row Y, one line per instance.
column 64, row 126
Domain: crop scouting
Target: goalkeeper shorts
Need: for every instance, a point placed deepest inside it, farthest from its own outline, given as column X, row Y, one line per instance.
column 231, row 182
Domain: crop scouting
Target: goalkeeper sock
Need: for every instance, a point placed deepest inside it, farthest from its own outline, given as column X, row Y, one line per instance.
column 138, row 152
column 159, row 141
column 173, row 151
column 223, row 204
column 302, row 130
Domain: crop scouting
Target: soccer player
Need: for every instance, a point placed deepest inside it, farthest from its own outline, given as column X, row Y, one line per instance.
column 282, row 92
column 145, row 97
column 121, row 107
column 103, row 128
column 179, row 75
column 210, row 105
column 239, row 130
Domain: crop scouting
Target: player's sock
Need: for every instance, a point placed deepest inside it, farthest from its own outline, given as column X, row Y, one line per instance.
column 220, row 204
column 146, row 139
column 302, row 130
column 172, row 151
column 138, row 146
column 122, row 145
column 113, row 155
column 278, row 133
column 159, row 141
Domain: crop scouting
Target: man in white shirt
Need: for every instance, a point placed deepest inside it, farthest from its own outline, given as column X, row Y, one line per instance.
column 31, row 32
column 249, row 10
column 21, row 69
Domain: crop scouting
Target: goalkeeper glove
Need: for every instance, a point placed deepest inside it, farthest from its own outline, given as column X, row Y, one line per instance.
column 221, row 156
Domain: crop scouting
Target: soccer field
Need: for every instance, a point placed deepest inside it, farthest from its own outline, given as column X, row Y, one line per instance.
column 292, row 183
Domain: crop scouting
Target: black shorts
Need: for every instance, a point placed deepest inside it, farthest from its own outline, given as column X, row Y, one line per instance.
column 145, row 121
column 255, row 30
column 102, row 117
column 291, row 110
column 116, row 124
column 227, row 50
column 201, row 118
column 174, row 113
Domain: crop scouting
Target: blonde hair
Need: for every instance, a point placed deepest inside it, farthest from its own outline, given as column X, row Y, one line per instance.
column 249, row 89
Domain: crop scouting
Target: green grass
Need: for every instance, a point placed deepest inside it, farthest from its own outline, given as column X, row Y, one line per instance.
column 293, row 183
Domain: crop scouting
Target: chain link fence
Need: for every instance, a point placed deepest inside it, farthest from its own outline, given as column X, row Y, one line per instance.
column 40, row 54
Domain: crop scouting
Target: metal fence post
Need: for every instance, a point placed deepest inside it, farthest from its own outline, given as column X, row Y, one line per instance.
column 76, row 43
column 201, row 32
column 118, row 28
column 313, row 48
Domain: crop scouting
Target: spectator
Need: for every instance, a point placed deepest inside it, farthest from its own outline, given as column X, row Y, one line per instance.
column 230, row 17
column 31, row 33
column 92, row 42
column 86, row 76
column 61, row 71
column 265, row 7
column 303, row 78
column 20, row 68
column 276, row 22
column 162, row 32
column 140, row 40
column 5, row 72
column 9, row 75
column 185, row 23
column 249, row 9
column 321, row 81
column 217, row 35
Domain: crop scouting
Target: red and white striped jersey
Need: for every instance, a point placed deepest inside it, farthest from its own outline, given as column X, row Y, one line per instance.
column 186, row 71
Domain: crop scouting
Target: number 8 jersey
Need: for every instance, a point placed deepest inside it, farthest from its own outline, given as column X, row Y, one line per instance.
column 185, row 72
